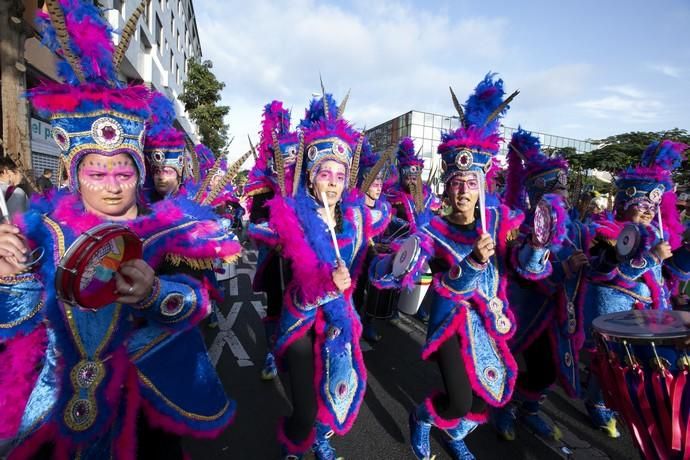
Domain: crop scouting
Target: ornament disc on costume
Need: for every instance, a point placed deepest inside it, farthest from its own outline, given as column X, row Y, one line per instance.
column 406, row 257
column 628, row 242
column 544, row 222
column 86, row 273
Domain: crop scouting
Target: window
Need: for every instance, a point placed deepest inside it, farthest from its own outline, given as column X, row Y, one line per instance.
column 159, row 32
column 117, row 5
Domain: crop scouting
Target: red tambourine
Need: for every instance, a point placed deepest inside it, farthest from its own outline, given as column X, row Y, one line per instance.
column 86, row 273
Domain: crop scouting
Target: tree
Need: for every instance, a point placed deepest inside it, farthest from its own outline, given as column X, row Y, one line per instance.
column 200, row 96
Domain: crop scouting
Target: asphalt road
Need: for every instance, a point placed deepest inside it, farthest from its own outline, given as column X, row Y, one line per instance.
column 397, row 380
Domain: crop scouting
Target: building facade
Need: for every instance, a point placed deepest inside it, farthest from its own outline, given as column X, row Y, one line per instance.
column 425, row 128
column 165, row 40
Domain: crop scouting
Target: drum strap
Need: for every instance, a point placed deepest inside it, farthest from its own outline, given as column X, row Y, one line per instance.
column 677, row 416
column 648, row 414
column 661, row 389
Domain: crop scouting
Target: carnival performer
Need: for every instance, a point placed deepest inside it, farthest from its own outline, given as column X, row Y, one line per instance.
column 323, row 230
column 164, row 151
column 548, row 311
column 472, row 249
column 368, row 299
column 126, row 377
column 263, row 184
column 644, row 200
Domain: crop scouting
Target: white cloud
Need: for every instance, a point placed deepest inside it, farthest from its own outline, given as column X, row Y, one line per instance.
column 666, row 69
column 624, row 108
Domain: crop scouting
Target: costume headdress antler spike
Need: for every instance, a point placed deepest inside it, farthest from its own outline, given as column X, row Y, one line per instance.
column 323, row 96
column 298, row 163
column 227, row 178
column 207, row 179
column 354, row 167
column 341, row 107
column 278, row 161
column 127, row 34
column 458, row 107
column 57, row 18
column 501, row 108
column 251, row 148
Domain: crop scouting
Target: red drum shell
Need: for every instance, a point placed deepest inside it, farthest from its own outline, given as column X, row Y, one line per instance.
column 78, row 257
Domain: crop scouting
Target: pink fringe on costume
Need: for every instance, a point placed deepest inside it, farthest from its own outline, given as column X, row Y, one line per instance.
column 472, row 137
column 19, row 370
column 673, row 228
column 289, row 445
column 125, row 447
column 436, row 419
column 44, row 435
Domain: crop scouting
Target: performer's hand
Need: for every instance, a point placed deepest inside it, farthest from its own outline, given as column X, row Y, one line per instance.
column 662, row 250
column 577, row 260
column 12, row 250
column 134, row 281
column 341, row 277
column 483, row 248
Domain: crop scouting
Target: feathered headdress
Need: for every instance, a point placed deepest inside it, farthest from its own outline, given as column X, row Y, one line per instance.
column 652, row 181
column 92, row 111
column 409, row 161
column 165, row 145
column 474, row 144
column 327, row 136
column 372, row 166
column 530, row 171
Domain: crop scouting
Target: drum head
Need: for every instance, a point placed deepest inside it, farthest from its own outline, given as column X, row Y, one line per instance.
column 628, row 242
column 644, row 325
column 543, row 223
column 87, row 271
column 406, row 257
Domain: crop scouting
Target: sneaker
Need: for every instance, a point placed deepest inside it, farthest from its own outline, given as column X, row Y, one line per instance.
column 542, row 427
column 269, row 371
column 603, row 418
column 459, row 450
column 419, row 438
column 322, row 446
column 503, row 420
column 370, row 334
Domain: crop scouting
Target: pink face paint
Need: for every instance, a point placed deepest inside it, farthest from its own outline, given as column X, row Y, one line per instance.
column 108, row 175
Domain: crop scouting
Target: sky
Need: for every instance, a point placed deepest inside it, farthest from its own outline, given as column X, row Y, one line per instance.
column 585, row 69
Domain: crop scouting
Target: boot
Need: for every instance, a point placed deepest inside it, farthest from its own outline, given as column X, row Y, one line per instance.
column 603, row 418
column 458, row 433
column 419, row 433
column 269, row 371
column 322, row 447
column 503, row 420
column 530, row 416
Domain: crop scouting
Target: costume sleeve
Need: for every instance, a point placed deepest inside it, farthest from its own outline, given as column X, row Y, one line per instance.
column 263, row 233
column 176, row 301
column 532, row 262
column 21, row 297
column 679, row 263
column 378, row 219
column 634, row 268
column 464, row 276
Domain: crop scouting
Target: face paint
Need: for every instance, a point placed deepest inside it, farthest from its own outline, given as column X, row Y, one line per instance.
column 330, row 178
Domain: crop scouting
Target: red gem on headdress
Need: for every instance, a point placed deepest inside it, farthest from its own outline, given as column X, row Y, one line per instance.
column 341, row 149
column 108, row 132
column 61, row 138
column 463, row 160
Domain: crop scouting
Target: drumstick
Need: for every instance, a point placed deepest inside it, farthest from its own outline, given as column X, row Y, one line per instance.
column 331, row 224
column 482, row 201
column 4, row 212
column 661, row 225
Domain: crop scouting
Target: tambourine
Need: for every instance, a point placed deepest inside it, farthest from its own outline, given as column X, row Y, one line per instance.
column 406, row 257
column 544, row 223
column 628, row 242
column 86, row 273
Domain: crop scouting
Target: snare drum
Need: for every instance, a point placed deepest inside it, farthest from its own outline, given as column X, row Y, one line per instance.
column 86, row 273
column 644, row 371
column 380, row 303
column 406, row 257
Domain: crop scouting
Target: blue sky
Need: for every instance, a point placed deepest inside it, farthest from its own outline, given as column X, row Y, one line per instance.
column 585, row 69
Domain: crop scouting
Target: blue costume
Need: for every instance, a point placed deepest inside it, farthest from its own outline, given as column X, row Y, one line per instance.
column 470, row 314
column 636, row 281
column 313, row 308
column 78, row 381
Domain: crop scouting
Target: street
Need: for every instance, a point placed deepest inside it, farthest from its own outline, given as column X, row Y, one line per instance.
column 397, row 380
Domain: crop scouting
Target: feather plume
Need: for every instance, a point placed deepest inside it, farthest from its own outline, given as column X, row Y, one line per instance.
column 251, row 148
column 194, row 160
column 207, row 180
column 298, row 164
column 278, row 162
column 127, row 34
column 458, row 107
column 666, row 155
column 343, row 104
column 227, row 178
column 501, row 108
column 323, row 96
column 419, row 195
column 354, row 166
column 383, row 159
column 57, row 18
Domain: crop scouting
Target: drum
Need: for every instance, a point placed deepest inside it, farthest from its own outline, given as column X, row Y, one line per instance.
column 380, row 303
column 85, row 275
column 643, row 365
column 410, row 301
column 628, row 242
column 406, row 257
column 544, row 223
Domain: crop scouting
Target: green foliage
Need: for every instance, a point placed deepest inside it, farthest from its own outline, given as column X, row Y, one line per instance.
column 200, row 96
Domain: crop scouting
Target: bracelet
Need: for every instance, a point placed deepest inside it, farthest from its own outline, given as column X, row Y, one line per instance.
column 152, row 297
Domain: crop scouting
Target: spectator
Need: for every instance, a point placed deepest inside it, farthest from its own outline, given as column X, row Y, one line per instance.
column 44, row 183
column 10, row 178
